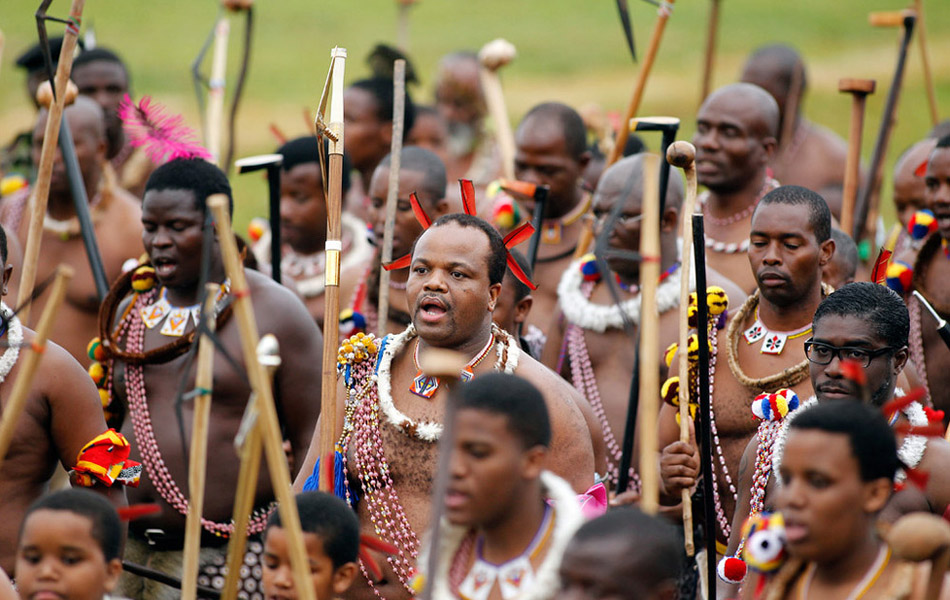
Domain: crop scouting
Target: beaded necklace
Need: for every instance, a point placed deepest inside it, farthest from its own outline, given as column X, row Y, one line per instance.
column 551, row 228
column 145, row 436
column 724, row 525
column 14, row 331
column 427, row 385
column 773, row 341
column 175, row 318
column 732, row 247
column 917, row 348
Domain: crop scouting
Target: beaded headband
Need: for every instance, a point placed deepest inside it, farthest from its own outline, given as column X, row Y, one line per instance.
column 515, row 237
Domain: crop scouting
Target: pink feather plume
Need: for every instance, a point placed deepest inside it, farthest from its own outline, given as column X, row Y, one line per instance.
column 163, row 137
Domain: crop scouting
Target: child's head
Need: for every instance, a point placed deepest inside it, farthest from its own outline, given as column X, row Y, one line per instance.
column 69, row 545
column 331, row 534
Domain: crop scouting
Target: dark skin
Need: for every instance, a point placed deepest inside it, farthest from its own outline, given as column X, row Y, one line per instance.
column 173, row 238
column 117, row 226
column 602, row 570
column 735, row 140
column 368, row 137
column 62, row 413
column 106, row 82
column 787, row 259
column 542, row 157
column 452, row 302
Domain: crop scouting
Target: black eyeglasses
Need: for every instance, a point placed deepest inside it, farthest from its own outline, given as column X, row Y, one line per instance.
column 822, row 354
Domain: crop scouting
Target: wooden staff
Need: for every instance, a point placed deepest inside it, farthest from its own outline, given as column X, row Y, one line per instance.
column 215, row 110
column 2, row 41
column 921, row 537
column 248, row 441
column 21, row 387
column 925, row 61
column 712, row 31
column 649, row 336
column 331, row 335
column 859, row 90
column 198, row 456
column 682, row 154
column 447, row 365
column 668, row 126
column 271, row 162
column 402, row 24
column 392, row 193
column 272, row 442
column 493, row 56
column 865, row 211
column 663, row 14
column 47, row 155
column 790, row 116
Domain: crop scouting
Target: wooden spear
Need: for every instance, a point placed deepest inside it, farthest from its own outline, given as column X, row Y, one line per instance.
column 859, row 90
column 392, row 193
column 712, row 31
column 649, row 336
column 663, row 14
column 682, row 154
column 214, row 115
column 260, row 385
column 47, row 155
column 2, row 40
column 198, row 455
column 925, row 61
column 493, row 56
column 21, row 387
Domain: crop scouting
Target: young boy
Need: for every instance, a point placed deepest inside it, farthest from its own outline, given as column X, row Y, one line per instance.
column 331, row 534
column 69, row 547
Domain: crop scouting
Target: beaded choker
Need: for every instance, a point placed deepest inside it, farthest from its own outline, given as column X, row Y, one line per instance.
column 175, row 318
column 773, row 341
column 551, row 228
column 427, row 385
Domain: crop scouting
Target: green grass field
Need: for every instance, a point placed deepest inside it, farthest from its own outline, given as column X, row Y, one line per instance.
column 569, row 50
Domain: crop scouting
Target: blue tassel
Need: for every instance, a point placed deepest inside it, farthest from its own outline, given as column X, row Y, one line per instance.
column 340, row 485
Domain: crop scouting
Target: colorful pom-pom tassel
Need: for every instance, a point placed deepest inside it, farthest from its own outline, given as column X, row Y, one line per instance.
column 256, row 228
column 105, row 398
column 94, row 350
column 351, row 323
column 12, row 183
column 143, row 279
column 731, row 569
column 588, row 267
column 716, row 300
column 504, row 212
column 670, row 391
column 775, row 407
column 98, row 373
column 764, row 535
column 899, row 276
column 669, row 354
column 921, row 224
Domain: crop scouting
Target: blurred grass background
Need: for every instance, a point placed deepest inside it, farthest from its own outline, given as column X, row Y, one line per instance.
column 568, row 50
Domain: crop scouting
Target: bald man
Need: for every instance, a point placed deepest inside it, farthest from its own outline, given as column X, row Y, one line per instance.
column 116, row 216
column 808, row 155
column 909, row 197
column 735, row 140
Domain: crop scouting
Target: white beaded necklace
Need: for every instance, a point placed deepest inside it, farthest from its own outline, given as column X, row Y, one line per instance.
column 506, row 348
column 14, row 341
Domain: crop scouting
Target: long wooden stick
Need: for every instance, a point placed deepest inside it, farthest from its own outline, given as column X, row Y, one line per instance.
column 214, row 116
column 331, row 334
column 2, row 41
column 273, row 443
column 712, row 33
column 198, row 456
column 859, row 90
column 268, row 354
column 392, row 193
column 649, row 336
column 925, row 62
column 47, row 155
column 493, row 56
column 682, row 154
column 663, row 14
column 21, row 387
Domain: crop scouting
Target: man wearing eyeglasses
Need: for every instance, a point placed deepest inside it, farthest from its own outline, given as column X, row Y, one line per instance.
column 867, row 325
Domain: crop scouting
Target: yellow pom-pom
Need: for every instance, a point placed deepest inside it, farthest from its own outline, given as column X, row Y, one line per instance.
column 98, row 373
column 670, row 391
column 692, row 299
column 670, row 353
column 143, row 279
column 692, row 347
column 691, row 313
column 717, row 300
column 417, row 582
column 12, row 183
column 94, row 350
column 105, row 397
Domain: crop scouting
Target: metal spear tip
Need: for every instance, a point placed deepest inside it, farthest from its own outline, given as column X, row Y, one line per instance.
column 44, row 93
column 496, row 54
column 268, row 351
column 256, row 163
column 681, row 154
column 919, row 536
column 654, row 124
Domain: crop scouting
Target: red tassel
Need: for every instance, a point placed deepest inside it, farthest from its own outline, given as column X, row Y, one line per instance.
column 853, row 371
column 420, row 212
column 902, row 402
column 917, row 477
column 376, row 544
column 934, row 415
column 879, row 272
column 931, row 430
column 399, row 263
column 517, row 272
column 468, row 196
column 370, row 564
column 136, row 511
column 518, row 235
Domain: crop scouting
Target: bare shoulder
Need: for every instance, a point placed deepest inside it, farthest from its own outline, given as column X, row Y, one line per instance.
column 827, row 143
column 126, row 207
column 551, row 385
column 276, row 307
column 59, row 377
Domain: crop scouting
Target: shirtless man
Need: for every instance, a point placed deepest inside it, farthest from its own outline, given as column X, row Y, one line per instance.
column 101, row 75
column 910, row 195
column 303, row 229
column 422, row 172
column 173, row 218
column 62, row 414
column 455, row 277
column 591, row 336
column 812, row 156
column 552, row 150
column 791, row 242
column 932, row 280
column 870, row 323
column 735, row 140
column 116, row 217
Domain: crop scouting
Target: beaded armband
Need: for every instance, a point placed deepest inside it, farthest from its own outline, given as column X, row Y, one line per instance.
column 106, row 459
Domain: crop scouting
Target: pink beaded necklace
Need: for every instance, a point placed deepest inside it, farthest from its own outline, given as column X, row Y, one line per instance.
column 724, row 525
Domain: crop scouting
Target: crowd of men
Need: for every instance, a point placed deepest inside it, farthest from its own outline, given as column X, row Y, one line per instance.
column 825, row 408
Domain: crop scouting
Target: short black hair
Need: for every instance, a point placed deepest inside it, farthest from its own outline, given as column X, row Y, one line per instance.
column 196, row 175
column 332, row 520
column 846, row 249
column 514, row 398
column 100, row 54
column 943, row 142
column 872, row 440
column 819, row 216
column 497, row 254
column 32, row 59
column 420, row 160
column 572, row 125
column 381, row 89
column 878, row 305
column 106, row 528
column 521, row 290
column 305, row 150
column 652, row 553
column 4, row 251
